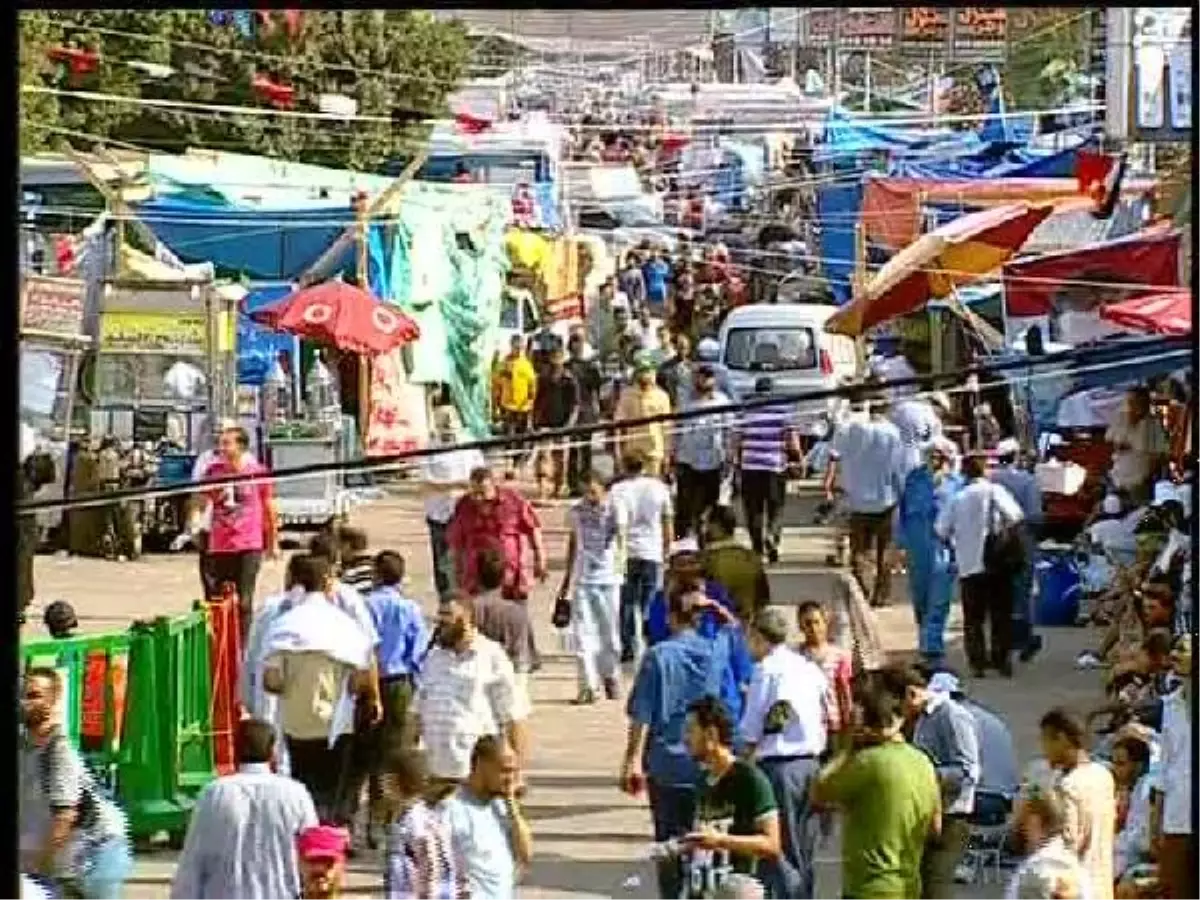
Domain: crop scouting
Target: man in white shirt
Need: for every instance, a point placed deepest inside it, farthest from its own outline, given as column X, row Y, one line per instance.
column 241, row 841
column 445, row 477
column 649, row 518
column 784, row 729
column 1139, row 446
column 979, row 509
column 1174, row 790
column 467, row 689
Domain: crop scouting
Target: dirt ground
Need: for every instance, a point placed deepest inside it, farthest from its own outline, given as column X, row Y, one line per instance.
column 590, row 838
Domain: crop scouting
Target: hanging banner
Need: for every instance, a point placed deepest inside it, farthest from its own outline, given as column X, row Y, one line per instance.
column 822, row 27
column 158, row 333
column 867, row 29
column 924, row 26
column 979, row 32
column 52, row 306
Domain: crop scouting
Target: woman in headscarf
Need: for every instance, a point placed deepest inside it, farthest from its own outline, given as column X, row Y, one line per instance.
column 927, row 490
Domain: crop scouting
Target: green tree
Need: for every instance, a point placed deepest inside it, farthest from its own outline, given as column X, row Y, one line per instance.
column 38, row 113
column 1047, row 49
column 403, row 60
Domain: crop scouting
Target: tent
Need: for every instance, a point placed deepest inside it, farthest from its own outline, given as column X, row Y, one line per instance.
column 1169, row 312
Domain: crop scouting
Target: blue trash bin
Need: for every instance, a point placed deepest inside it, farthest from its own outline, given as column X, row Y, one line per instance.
column 1059, row 586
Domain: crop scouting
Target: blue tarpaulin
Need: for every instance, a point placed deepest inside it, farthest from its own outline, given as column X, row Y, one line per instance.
column 995, row 162
column 846, row 137
column 838, row 206
column 259, row 347
column 274, row 245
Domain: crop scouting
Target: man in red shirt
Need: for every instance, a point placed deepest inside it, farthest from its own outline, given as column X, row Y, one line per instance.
column 495, row 517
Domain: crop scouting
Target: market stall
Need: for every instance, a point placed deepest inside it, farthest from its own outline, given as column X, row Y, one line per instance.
column 52, row 348
column 343, row 319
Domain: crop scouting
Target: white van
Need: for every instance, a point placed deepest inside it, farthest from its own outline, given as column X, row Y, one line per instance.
column 788, row 342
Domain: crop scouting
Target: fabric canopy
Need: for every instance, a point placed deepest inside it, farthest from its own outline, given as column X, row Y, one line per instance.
column 1169, row 312
column 891, row 206
column 1150, row 257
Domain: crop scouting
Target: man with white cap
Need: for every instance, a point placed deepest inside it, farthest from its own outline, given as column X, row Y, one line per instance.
column 919, row 422
column 1023, row 486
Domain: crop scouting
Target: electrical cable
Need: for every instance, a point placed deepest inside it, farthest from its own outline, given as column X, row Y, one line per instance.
column 1157, row 349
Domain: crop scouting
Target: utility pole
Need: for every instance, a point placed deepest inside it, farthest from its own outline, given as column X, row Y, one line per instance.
column 796, row 20
column 867, row 81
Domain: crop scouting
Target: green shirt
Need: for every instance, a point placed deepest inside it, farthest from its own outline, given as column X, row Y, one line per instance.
column 732, row 805
column 890, row 796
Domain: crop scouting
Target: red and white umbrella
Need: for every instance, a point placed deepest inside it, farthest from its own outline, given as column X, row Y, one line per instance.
column 340, row 315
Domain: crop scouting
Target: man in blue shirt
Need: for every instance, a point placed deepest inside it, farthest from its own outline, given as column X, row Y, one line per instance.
column 403, row 639
column 673, row 674
column 1022, row 484
column 657, row 273
column 714, row 619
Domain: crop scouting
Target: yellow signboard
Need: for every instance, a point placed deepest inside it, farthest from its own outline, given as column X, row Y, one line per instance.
column 137, row 332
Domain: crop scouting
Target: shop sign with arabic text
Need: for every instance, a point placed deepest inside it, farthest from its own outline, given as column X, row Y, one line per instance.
column 52, row 305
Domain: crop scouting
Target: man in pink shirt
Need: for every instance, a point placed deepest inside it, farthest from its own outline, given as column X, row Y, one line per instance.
column 244, row 524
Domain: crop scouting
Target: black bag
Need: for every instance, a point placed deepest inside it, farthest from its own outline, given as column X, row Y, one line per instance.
column 1003, row 549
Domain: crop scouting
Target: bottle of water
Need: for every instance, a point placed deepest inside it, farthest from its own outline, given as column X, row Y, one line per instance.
column 277, row 395
column 323, row 401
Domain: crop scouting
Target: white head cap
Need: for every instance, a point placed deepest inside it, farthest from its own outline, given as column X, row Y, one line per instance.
column 685, row 545
column 1111, row 505
column 1008, row 447
column 944, row 683
column 708, row 350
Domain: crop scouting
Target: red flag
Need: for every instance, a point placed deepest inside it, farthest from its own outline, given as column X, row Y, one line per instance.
column 469, row 124
column 64, row 254
column 80, row 62
column 278, row 95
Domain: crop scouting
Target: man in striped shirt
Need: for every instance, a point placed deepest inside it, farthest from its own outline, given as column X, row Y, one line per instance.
column 764, row 438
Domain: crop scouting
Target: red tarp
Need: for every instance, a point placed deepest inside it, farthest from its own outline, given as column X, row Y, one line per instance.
column 1150, row 257
column 891, row 206
column 1169, row 312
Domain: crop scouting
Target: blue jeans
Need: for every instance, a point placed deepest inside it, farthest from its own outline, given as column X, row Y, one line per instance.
column 931, row 588
column 673, row 809
column 791, row 780
column 642, row 578
column 107, row 867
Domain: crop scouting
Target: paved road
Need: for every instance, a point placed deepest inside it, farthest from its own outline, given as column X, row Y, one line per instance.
column 589, row 837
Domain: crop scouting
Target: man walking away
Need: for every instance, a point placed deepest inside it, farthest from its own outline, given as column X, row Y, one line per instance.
column 673, row 674
column 888, row 794
column 489, row 830
column 403, row 642
column 867, row 464
column 589, row 381
column 241, row 841
column 244, row 522
column 1023, row 486
column 737, row 820
column 316, row 658
column 506, row 622
column 979, row 509
column 946, row 732
column 357, row 565
column 594, row 545
column 701, row 451
column 556, row 407
column 445, row 477
column 734, row 566
column 648, row 515
column 784, row 730
column 765, row 438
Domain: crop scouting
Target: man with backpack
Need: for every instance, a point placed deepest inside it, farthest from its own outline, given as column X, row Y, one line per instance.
column 71, row 833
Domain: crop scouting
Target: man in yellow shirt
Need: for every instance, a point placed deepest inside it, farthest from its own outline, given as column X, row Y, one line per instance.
column 518, row 390
column 641, row 400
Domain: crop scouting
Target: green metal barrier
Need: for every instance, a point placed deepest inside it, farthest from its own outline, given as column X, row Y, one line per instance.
column 94, row 672
column 138, row 705
column 168, row 756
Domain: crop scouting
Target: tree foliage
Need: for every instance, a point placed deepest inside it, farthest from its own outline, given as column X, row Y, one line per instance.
column 389, row 61
column 1047, row 49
